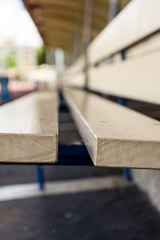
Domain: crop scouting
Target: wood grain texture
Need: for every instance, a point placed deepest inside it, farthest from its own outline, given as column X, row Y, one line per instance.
column 138, row 20
column 138, row 78
column 114, row 135
column 29, row 128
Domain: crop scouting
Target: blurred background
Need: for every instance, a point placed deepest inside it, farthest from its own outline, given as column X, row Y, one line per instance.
column 22, row 53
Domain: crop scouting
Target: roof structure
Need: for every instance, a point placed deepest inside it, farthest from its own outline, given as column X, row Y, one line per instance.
column 64, row 23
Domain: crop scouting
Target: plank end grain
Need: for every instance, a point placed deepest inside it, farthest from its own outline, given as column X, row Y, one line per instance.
column 29, row 129
column 115, row 136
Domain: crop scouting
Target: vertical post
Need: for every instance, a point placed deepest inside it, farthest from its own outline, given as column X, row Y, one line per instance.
column 40, row 177
column 77, row 33
column 75, row 46
column 113, row 10
column 87, row 30
column 5, row 96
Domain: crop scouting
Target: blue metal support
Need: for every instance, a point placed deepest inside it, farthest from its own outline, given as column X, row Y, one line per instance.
column 127, row 174
column 40, row 176
column 122, row 101
column 5, row 95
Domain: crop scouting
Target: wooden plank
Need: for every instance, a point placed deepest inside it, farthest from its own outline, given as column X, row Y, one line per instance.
column 74, row 75
column 77, row 67
column 29, row 129
column 142, row 48
column 77, row 80
column 137, row 79
column 137, row 21
column 114, row 135
column 146, row 46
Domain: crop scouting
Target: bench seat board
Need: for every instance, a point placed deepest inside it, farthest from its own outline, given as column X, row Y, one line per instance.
column 29, row 128
column 144, row 47
column 139, row 19
column 115, row 136
column 137, row 78
column 77, row 80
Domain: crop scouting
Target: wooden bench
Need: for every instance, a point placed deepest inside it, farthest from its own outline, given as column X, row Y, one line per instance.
column 116, row 136
column 29, row 129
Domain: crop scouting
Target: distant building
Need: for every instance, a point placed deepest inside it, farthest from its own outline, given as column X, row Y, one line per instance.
column 21, row 58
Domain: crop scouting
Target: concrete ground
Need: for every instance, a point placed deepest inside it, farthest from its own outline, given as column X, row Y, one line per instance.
column 118, row 212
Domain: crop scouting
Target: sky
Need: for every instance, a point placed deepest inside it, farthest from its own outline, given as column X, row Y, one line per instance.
column 16, row 24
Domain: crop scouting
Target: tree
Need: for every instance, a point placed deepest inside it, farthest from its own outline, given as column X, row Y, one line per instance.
column 41, row 55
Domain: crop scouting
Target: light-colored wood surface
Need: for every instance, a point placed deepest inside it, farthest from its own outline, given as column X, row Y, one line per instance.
column 138, row 20
column 29, row 128
column 114, row 135
column 138, row 78
column 74, row 76
column 77, row 67
column 149, row 45
column 77, row 80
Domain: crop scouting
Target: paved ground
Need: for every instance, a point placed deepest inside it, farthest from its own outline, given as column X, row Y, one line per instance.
column 16, row 174
column 118, row 213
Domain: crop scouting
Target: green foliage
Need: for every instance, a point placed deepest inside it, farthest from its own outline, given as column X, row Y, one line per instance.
column 41, row 55
column 10, row 60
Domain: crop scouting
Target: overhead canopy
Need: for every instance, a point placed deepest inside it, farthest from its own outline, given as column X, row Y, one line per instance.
column 64, row 24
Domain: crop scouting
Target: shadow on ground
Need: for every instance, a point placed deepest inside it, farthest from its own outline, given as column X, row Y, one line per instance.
column 116, row 214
